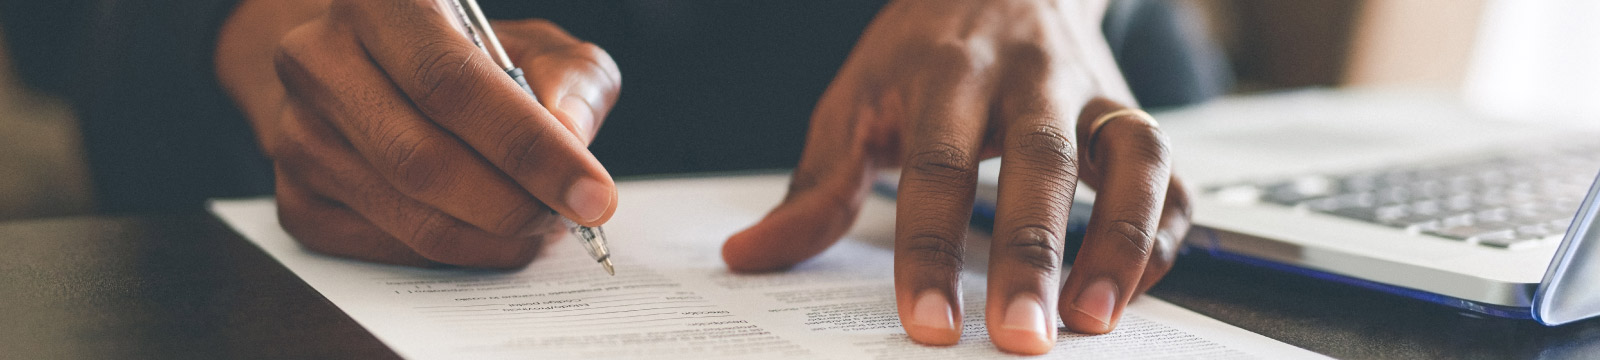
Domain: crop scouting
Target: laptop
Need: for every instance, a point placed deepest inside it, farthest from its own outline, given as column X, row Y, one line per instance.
column 1400, row 192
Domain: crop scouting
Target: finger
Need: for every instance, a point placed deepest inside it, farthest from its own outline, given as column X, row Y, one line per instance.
column 934, row 205
column 1130, row 166
column 327, row 227
column 1038, row 178
column 455, row 84
column 577, row 81
column 1174, row 228
column 327, row 166
column 825, row 191
column 336, row 80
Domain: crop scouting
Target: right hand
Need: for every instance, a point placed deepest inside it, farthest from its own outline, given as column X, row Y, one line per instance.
column 394, row 139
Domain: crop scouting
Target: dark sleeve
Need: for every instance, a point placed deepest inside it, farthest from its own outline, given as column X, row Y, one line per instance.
column 159, row 133
column 1165, row 56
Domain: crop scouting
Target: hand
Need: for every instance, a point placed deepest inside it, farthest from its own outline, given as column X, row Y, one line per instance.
column 935, row 86
column 395, row 139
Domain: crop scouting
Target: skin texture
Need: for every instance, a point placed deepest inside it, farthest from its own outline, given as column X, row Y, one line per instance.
column 935, row 86
column 396, row 140
column 406, row 145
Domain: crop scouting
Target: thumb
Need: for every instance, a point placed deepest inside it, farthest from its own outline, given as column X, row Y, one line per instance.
column 825, row 194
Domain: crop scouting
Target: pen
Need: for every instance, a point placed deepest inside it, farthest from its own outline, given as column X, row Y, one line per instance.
column 477, row 26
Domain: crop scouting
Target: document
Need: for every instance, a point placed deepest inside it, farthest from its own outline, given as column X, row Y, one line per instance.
column 673, row 298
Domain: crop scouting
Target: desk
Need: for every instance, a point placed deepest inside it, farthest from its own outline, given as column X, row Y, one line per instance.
column 185, row 286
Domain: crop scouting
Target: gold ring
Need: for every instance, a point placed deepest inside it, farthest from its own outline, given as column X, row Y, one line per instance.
column 1094, row 127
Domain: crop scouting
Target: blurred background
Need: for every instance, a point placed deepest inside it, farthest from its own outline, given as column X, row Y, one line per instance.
column 1496, row 53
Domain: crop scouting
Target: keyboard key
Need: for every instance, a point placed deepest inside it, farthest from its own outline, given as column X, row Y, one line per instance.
column 1457, row 221
column 1361, row 182
column 1458, row 203
column 1344, row 201
column 1241, row 194
column 1423, row 226
column 1473, row 233
column 1302, row 189
column 1360, row 213
column 1559, row 225
column 1394, row 196
column 1537, row 231
column 1430, row 189
column 1425, row 207
column 1492, row 215
column 1509, row 243
column 1505, row 202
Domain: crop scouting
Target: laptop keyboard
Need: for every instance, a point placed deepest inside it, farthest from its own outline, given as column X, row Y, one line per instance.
column 1509, row 202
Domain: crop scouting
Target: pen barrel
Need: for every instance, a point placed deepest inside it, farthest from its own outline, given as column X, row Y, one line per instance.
column 592, row 238
column 516, row 74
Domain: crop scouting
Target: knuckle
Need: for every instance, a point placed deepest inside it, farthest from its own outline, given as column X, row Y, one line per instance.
column 296, row 140
column 1029, row 53
column 1047, row 147
column 305, row 49
column 287, row 149
column 1036, row 247
column 940, row 252
column 288, row 59
column 947, row 56
column 1047, row 159
column 443, row 74
column 415, row 168
column 512, row 223
column 290, row 144
column 442, row 240
column 523, row 156
column 1136, row 239
column 435, row 238
column 942, row 163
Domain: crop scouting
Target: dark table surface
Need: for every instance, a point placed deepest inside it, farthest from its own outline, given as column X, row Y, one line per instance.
column 185, row 286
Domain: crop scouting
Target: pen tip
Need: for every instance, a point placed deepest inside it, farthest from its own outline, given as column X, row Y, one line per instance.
column 607, row 264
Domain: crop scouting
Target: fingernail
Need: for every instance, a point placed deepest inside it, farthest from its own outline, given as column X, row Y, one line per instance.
column 588, row 199
column 932, row 310
column 1027, row 315
column 579, row 112
column 1097, row 301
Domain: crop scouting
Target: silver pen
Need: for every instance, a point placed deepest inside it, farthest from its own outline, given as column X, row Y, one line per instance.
column 477, row 26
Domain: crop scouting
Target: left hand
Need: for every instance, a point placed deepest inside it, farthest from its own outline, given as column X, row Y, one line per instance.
column 937, row 85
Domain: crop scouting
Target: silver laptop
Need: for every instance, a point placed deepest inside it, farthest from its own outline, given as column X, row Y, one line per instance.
column 1399, row 192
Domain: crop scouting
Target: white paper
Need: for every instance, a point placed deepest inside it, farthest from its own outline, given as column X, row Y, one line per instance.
column 673, row 298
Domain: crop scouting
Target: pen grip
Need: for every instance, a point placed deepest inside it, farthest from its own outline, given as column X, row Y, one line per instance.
column 516, row 74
